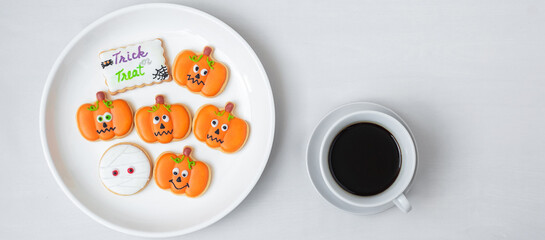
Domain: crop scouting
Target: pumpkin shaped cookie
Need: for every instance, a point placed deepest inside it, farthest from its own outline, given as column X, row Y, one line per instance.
column 105, row 119
column 181, row 173
column 163, row 123
column 220, row 128
column 200, row 73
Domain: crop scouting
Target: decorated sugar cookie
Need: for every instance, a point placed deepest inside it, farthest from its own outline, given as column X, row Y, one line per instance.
column 200, row 73
column 125, row 169
column 162, row 122
column 134, row 66
column 181, row 173
column 104, row 119
column 220, row 128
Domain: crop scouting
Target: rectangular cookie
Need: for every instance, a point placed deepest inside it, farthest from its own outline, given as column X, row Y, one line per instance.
column 134, row 66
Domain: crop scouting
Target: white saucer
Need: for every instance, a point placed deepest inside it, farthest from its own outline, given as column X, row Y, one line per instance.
column 313, row 151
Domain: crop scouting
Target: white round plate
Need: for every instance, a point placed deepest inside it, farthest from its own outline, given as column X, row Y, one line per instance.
column 76, row 77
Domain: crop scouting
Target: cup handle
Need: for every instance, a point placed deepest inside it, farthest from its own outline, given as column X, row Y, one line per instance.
column 402, row 203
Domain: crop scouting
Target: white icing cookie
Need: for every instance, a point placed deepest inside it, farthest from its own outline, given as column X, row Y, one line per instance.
column 134, row 66
column 125, row 169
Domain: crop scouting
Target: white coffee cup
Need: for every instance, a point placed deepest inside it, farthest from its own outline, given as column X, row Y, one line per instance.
column 334, row 123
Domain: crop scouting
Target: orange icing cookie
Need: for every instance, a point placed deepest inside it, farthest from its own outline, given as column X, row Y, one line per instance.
column 181, row 173
column 104, row 119
column 162, row 122
column 220, row 128
column 200, row 73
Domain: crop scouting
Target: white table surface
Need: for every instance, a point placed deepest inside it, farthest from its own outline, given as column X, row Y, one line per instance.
column 467, row 76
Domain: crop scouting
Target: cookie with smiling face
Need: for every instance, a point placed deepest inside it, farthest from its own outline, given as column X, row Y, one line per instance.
column 181, row 174
column 162, row 122
column 104, row 119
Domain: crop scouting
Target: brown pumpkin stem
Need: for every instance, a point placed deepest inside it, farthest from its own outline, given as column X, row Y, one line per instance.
column 207, row 50
column 160, row 99
column 101, row 96
column 187, row 151
column 229, row 107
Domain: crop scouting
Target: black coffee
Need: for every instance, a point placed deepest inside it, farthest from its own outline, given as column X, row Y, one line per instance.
column 364, row 159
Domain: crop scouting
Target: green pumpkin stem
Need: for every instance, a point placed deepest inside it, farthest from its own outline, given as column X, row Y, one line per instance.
column 195, row 59
column 93, row 107
column 108, row 103
column 177, row 160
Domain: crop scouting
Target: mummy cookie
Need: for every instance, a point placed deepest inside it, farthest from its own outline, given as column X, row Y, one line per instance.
column 134, row 66
column 162, row 122
column 104, row 119
column 220, row 128
column 181, row 173
column 199, row 72
column 125, row 169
